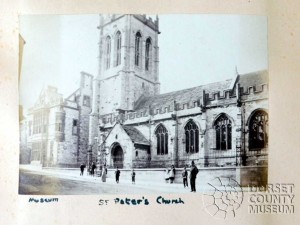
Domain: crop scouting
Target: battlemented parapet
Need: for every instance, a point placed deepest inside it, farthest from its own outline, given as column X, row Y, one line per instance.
column 197, row 105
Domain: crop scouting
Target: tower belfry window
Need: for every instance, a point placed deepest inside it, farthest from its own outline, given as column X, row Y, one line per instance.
column 147, row 54
column 118, row 44
column 138, row 38
column 107, row 52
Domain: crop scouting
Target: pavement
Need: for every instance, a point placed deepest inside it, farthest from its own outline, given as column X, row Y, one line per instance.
column 74, row 175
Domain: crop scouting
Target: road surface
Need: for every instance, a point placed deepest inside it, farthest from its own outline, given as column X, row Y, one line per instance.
column 39, row 183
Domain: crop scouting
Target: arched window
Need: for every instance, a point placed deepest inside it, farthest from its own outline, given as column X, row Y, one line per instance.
column 191, row 137
column 258, row 130
column 107, row 52
column 223, row 130
column 118, row 44
column 148, row 54
column 162, row 140
column 138, row 39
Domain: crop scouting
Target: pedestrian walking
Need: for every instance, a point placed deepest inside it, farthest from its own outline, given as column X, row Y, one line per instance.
column 104, row 173
column 117, row 172
column 184, row 177
column 93, row 169
column 172, row 174
column 82, row 166
column 193, row 176
column 133, row 176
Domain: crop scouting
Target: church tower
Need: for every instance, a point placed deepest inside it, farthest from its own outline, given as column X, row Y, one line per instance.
column 128, row 68
column 128, row 61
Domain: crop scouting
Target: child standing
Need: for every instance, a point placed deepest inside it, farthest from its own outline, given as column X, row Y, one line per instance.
column 184, row 176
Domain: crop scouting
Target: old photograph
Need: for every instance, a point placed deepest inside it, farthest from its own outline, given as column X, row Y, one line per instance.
column 141, row 104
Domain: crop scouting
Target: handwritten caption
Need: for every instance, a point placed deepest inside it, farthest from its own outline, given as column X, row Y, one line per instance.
column 42, row 200
column 140, row 201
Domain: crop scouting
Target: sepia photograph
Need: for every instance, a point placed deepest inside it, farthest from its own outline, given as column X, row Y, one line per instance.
column 143, row 104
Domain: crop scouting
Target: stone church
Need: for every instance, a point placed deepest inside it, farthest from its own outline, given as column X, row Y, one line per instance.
column 119, row 118
column 133, row 125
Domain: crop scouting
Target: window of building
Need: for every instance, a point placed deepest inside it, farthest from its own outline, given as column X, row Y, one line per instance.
column 86, row 101
column 223, row 131
column 148, row 54
column 75, row 127
column 191, row 137
column 162, row 140
column 118, row 44
column 40, row 122
column 138, row 39
column 59, row 122
column 36, row 151
column 107, row 52
column 258, row 131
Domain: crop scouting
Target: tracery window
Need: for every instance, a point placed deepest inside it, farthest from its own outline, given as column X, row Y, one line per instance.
column 258, row 130
column 191, row 137
column 118, row 44
column 162, row 140
column 107, row 52
column 223, row 131
column 148, row 54
column 138, row 39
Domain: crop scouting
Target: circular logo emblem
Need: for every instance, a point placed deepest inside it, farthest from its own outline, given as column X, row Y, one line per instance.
column 222, row 197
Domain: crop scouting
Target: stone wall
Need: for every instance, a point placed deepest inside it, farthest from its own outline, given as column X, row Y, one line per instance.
column 67, row 150
column 86, row 90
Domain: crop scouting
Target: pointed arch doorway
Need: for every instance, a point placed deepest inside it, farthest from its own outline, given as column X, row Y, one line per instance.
column 117, row 155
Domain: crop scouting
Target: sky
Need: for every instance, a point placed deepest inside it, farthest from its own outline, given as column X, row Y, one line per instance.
column 194, row 50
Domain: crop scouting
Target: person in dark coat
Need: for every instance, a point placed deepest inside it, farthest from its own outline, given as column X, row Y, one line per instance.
column 193, row 175
column 133, row 176
column 93, row 169
column 82, row 169
column 117, row 175
column 184, row 177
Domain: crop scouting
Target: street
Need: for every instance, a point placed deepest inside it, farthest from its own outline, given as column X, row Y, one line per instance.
column 42, row 183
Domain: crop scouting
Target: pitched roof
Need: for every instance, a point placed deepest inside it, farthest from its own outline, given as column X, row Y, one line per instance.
column 193, row 94
column 135, row 135
column 253, row 79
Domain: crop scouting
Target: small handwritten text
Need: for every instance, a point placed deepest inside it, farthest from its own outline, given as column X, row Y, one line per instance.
column 141, row 201
column 162, row 200
column 42, row 200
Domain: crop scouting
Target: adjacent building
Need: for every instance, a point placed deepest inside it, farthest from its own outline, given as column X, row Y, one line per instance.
column 55, row 131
